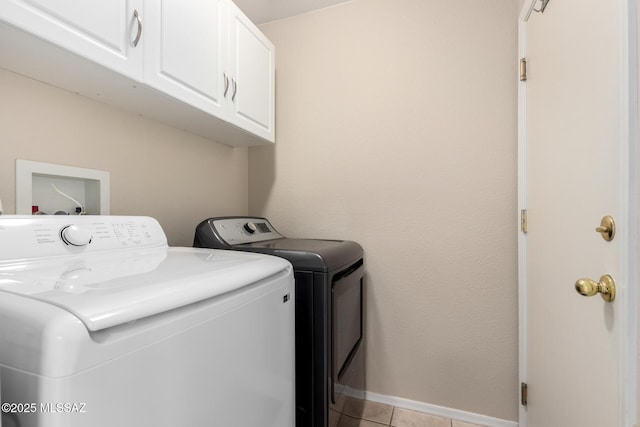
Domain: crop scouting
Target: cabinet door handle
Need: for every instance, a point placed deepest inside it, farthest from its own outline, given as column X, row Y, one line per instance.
column 139, row 34
column 235, row 89
column 226, row 85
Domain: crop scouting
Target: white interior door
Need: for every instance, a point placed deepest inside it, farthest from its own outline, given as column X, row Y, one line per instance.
column 574, row 170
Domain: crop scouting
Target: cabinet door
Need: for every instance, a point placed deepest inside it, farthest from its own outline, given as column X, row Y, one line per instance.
column 100, row 30
column 252, row 70
column 183, row 51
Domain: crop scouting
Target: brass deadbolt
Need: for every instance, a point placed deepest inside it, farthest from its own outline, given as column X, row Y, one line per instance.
column 606, row 287
column 607, row 228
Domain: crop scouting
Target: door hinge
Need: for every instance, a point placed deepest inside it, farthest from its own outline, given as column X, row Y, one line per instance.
column 523, row 70
column 523, row 394
column 543, row 6
column 523, row 221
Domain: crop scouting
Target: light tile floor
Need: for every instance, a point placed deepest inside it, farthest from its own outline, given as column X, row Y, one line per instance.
column 353, row 412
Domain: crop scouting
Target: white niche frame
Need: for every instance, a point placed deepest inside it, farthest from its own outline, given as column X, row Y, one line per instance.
column 90, row 186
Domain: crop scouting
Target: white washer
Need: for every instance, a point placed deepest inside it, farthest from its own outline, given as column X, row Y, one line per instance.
column 103, row 324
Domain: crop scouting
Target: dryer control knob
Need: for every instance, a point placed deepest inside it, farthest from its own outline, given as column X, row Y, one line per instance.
column 250, row 227
column 75, row 236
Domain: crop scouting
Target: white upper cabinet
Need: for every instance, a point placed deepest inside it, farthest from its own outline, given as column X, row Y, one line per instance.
column 102, row 31
column 184, row 51
column 209, row 54
column 252, row 73
column 199, row 65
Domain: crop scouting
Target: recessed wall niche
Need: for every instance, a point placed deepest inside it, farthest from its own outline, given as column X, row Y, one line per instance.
column 41, row 184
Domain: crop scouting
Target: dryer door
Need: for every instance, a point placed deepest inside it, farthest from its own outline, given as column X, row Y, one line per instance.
column 346, row 317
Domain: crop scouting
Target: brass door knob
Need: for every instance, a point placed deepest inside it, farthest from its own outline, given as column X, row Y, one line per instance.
column 606, row 287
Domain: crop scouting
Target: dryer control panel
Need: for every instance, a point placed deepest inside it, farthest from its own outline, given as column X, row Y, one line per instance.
column 240, row 230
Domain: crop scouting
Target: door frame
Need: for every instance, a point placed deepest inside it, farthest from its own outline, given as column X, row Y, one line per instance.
column 628, row 222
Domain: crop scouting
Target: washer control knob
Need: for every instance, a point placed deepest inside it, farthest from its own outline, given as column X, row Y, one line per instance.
column 250, row 227
column 75, row 236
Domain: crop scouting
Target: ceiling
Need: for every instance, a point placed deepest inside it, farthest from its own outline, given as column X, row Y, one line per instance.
column 262, row 11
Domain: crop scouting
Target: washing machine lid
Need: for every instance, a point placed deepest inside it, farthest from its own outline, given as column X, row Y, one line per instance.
column 127, row 272
column 106, row 291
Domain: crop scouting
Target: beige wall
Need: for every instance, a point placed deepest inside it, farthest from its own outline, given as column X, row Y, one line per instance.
column 637, row 47
column 396, row 127
column 176, row 177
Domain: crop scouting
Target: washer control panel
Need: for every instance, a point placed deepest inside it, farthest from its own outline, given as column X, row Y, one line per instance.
column 239, row 230
column 27, row 237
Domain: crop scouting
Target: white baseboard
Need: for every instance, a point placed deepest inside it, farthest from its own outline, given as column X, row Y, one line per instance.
column 455, row 414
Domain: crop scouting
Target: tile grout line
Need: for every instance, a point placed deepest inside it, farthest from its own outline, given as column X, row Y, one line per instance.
column 359, row 418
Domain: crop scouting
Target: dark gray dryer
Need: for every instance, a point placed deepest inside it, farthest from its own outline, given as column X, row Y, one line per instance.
column 329, row 307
